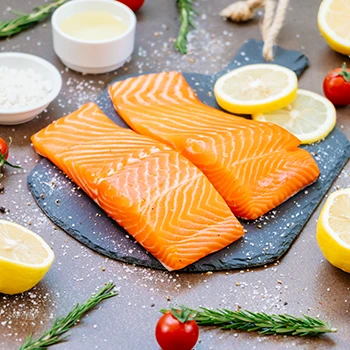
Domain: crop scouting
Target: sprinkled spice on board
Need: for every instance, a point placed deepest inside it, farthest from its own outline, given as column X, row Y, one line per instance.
column 22, row 87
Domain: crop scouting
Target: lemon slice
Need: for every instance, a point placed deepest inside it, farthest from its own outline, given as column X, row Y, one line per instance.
column 256, row 88
column 24, row 258
column 333, row 229
column 334, row 24
column 310, row 117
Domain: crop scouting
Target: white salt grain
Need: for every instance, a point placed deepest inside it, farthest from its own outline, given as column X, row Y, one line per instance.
column 22, row 87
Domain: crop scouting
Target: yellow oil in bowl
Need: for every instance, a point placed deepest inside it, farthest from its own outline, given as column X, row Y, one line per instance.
column 93, row 26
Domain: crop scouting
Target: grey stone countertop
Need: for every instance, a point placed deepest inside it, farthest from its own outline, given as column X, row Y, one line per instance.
column 301, row 282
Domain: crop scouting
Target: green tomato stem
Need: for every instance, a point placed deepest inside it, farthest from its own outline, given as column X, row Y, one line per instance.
column 345, row 73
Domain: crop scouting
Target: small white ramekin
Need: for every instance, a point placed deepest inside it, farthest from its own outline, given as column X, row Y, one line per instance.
column 93, row 57
column 12, row 116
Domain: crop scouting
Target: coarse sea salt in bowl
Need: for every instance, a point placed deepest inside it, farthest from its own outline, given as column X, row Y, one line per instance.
column 27, row 86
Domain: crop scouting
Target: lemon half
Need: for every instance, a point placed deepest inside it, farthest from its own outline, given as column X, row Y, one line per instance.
column 310, row 117
column 24, row 258
column 333, row 229
column 256, row 88
column 334, row 24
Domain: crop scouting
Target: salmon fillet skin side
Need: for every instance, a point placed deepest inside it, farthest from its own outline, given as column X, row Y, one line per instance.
column 157, row 195
column 255, row 166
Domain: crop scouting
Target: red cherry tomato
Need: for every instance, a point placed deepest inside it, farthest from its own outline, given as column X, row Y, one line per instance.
column 336, row 86
column 3, row 149
column 172, row 334
column 133, row 4
column 4, row 153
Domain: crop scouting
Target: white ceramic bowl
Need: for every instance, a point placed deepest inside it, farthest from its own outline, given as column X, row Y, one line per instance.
column 12, row 116
column 93, row 56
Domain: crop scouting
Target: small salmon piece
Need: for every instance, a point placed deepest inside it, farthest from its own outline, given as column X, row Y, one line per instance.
column 155, row 193
column 254, row 166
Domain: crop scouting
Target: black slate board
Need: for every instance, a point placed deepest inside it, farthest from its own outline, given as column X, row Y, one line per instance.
column 268, row 237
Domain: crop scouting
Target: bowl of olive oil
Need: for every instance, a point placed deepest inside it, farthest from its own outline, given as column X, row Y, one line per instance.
column 93, row 36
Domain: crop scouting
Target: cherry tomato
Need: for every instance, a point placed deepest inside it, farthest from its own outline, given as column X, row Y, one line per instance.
column 172, row 334
column 133, row 4
column 336, row 86
column 4, row 153
column 3, row 149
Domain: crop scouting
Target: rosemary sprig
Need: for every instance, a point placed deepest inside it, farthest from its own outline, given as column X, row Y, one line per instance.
column 259, row 321
column 25, row 20
column 186, row 21
column 63, row 325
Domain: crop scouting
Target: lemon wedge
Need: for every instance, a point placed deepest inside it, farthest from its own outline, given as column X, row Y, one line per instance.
column 333, row 229
column 24, row 258
column 334, row 24
column 256, row 88
column 310, row 117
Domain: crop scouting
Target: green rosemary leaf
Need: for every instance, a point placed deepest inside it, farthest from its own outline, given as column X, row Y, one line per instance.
column 260, row 321
column 62, row 325
column 19, row 13
column 26, row 20
column 186, row 11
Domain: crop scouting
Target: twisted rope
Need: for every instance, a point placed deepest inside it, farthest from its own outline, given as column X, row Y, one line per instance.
column 242, row 11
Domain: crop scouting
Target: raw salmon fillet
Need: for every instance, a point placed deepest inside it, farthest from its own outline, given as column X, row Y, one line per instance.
column 254, row 166
column 155, row 193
